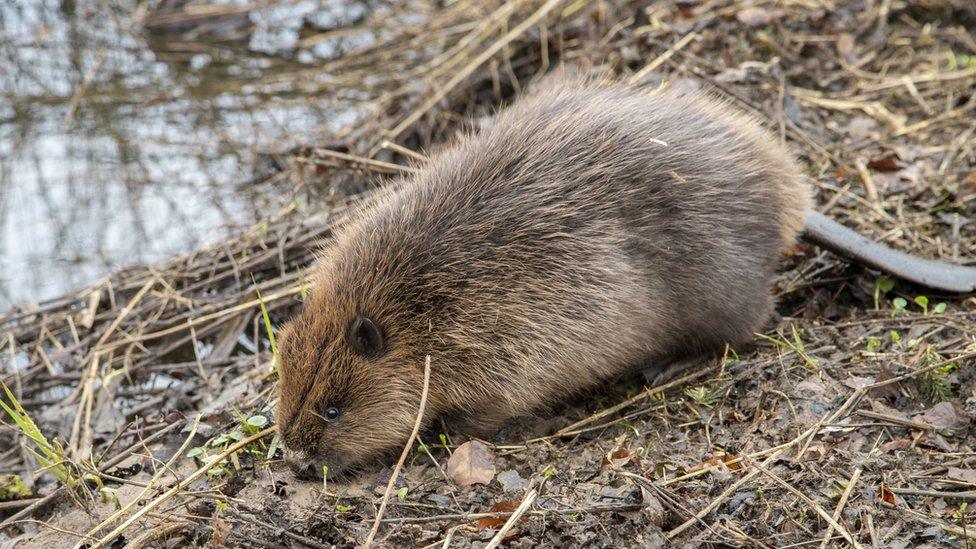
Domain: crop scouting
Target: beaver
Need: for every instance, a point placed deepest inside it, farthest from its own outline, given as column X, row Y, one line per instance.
column 591, row 229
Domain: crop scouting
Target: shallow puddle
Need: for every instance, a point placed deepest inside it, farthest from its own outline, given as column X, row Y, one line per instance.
column 121, row 147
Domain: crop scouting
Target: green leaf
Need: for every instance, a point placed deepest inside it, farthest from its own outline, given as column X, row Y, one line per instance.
column 939, row 308
column 882, row 286
column 899, row 304
column 194, row 452
column 885, row 284
column 273, row 447
column 922, row 302
column 402, row 493
column 257, row 421
column 873, row 344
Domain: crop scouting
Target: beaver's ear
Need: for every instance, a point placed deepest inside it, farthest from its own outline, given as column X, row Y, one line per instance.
column 365, row 338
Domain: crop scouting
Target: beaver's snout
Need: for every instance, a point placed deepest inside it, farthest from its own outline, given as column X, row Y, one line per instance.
column 302, row 465
column 304, row 471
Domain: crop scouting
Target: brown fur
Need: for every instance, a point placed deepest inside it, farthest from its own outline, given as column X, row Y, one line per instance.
column 587, row 231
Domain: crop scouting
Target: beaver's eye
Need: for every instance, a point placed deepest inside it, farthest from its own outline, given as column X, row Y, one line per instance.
column 365, row 337
column 331, row 413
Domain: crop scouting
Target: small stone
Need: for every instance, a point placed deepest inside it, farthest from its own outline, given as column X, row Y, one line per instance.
column 511, row 481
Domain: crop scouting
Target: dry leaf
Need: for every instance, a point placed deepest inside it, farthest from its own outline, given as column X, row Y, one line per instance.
column 722, row 458
column 471, row 463
column 503, row 506
column 945, row 415
column 965, row 475
column 221, row 531
column 884, row 164
column 885, row 495
column 620, row 456
column 897, row 444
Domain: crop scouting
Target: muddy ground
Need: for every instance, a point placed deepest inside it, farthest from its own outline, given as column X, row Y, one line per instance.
column 848, row 422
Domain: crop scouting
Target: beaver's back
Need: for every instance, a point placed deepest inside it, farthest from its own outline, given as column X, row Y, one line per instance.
column 586, row 230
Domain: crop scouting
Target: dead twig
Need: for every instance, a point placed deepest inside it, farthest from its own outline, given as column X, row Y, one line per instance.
column 403, row 456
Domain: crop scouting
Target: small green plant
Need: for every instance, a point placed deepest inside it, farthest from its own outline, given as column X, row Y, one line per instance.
column 302, row 288
column 444, row 443
column 957, row 60
column 343, row 508
column 934, row 384
column 50, row 455
column 939, row 308
column 797, row 346
column 402, row 493
column 895, row 337
column 270, row 330
column 960, row 513
column 703, row 396
column 922, row 302
column 13, row 487
column 248, row 426
column 731, row 357
column 882, row 286
column 629, row 426
column 874, row 343
column 325, row 478
column 899, row 304
column 422, row 450
column 549, row 472
column 110, row 495
column 273, row 447
column 254, row 424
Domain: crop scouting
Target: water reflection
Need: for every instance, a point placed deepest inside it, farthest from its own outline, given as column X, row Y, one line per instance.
column 114, row 151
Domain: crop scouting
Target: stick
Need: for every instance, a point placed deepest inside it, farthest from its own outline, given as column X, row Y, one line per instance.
column 403, row 457
column 840, row 506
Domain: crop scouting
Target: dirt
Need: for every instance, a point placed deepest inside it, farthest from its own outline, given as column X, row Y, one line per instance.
column 848, row 422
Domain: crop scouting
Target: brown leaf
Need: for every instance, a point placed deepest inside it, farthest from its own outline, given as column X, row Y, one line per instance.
column 885, row 495
column 471, row 463
column 884, row 164
column 897, row 444
column 221, row 531
column 945, row 415
column 965, row 475
column 503, row 506
column 722, row 458
column 620, row 456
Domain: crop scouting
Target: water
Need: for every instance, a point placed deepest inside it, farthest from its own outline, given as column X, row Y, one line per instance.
column 117, row 148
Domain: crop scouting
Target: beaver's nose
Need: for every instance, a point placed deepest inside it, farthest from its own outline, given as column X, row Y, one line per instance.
column 303, row 469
